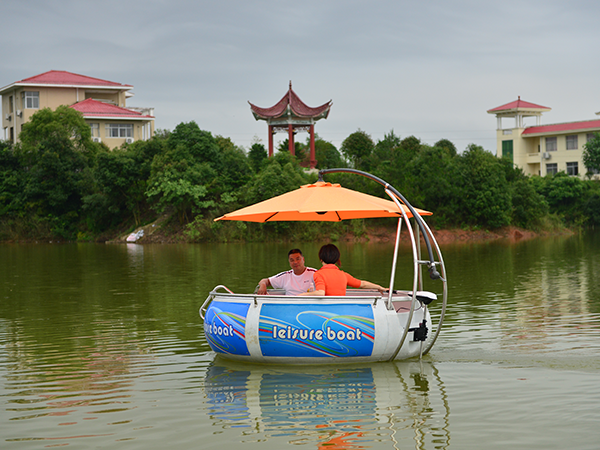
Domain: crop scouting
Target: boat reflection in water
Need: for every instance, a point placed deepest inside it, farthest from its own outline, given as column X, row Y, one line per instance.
column 347, row 407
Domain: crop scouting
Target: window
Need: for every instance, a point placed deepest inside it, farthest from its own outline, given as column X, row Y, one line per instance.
column 551, row 169
column 31, row 100
column 572, row 142
column 592, row 171
column 573, row 168
column 507, row 150
column 119, row 130
column 551, row 144
column 590, row 136
column 95, row 129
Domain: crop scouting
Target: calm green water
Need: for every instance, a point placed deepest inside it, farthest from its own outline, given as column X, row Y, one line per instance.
column 101, row 346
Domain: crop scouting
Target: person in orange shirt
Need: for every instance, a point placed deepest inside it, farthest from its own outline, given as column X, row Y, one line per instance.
column 330, row 280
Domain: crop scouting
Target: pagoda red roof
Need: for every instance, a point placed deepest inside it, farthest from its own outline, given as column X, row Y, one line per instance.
column 518, row 105
column 290, row 102
column 563, row 127
column 61, row 77
column 94, row 108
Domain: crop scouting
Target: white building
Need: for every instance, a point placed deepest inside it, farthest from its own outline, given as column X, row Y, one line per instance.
column 101, row 102
column 542, row 149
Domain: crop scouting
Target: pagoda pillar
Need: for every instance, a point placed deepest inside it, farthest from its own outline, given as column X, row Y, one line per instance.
column 291, row 146
column 313, row 161
column 271, row 133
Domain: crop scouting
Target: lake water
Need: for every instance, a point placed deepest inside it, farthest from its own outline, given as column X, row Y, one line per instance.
column 101, row 346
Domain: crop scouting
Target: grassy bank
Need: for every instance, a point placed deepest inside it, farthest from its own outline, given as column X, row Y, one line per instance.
column 168, row 230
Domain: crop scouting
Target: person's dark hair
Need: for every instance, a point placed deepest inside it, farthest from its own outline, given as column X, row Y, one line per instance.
column 294, row 250
column 329, row 254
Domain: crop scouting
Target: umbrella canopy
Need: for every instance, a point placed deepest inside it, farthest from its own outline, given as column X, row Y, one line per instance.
column 320, row 201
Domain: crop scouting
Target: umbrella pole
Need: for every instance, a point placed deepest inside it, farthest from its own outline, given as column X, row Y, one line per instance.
column 393, row 275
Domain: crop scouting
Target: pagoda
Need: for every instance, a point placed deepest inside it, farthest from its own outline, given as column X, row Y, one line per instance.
column 291, row 115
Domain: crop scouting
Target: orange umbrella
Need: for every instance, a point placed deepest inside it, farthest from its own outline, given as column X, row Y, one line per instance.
column 320, row 201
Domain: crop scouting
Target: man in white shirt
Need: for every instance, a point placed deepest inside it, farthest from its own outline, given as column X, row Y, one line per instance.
column 295, row 281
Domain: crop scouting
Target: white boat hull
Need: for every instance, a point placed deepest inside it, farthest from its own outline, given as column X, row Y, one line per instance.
column 314, row 330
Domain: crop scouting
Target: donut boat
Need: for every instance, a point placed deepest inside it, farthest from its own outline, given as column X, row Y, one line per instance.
column 361, row 326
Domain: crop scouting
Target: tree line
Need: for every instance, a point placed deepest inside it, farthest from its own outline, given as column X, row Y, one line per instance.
column 56, row 183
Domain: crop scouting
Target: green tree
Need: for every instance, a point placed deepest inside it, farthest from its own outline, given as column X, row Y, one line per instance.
column 591, row 154
column 357, row 148
column 435, row 185
column 176, row 188
column 299, row 150
column 591, row 209
column 199, row 144
column 397, row 170
column 326, row 154
column 121, row 181
column 281, row 174
column 484, row 193
column 447, row 145
column 565, row 195
column 64, row 125
column 410, row 147
column 236, row 171
column 256, row 155
column 11, row 180
column 384, row 149
column 183, row 177
column 528, row 207
column 56, row 152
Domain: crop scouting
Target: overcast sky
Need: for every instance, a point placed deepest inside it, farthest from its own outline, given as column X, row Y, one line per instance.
column 425, row 68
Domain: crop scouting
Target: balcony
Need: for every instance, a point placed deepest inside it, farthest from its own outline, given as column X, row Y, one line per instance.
column 534, row 158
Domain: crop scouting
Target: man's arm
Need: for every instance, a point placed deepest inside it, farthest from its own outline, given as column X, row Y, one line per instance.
column 262, row 286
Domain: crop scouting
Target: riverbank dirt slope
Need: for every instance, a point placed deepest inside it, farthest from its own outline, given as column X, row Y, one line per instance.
column 157, row 233
column 452, row 235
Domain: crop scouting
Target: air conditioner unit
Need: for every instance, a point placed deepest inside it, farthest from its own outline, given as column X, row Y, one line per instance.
column 7, row 117
column 96, row 139
column 129, row 140
column 19, row 113
column 547, row 155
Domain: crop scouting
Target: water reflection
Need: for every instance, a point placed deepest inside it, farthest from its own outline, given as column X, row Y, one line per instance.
column 552, row 304
column 135, row 253
column 334, row 408
column 68, row 374
column 512, row 301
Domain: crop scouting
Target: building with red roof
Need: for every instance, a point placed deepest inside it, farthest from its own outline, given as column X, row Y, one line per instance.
column 102, row 104
column 542, row 149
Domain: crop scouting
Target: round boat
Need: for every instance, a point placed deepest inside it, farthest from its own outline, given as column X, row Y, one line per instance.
column 276, row 328
column 362, row 326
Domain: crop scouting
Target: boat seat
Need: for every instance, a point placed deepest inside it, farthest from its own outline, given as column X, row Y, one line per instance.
column 402, row 306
